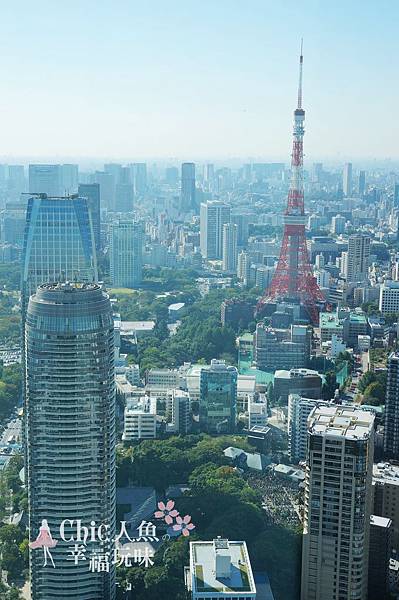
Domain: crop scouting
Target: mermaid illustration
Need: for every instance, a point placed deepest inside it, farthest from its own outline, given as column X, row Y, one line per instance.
column 44, row 540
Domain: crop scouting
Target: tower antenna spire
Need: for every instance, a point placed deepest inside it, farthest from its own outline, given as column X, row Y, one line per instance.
column 300, row 76
column 293, row 279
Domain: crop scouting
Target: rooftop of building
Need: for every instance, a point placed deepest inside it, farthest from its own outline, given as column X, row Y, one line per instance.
column 176, row 306
column 341, row 421
column 380, row 521
column 392, row 285
column 203, row 556
column 393, row 565
column 123, row 385
column 329, row 320
column 357, row 317
column 300, row 398
column 246, row 337
column 386, row 472
column 295, row 373
column 137, row 325
column 259, row 429
column 261, row 377
column 231, row 301
column 216, row 365
column 68, row 293
column 162, row 371
column 145, row 404
column 246, row 383
column 253, row 460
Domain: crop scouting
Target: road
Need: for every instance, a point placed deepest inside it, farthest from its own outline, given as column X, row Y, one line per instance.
column 12, row 432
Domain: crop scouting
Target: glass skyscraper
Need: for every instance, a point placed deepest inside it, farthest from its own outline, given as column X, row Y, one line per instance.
column 70, row 437
column 188, row 192
column 91, row 191
column 218, row 397
column 126, row 253
column 59, row 243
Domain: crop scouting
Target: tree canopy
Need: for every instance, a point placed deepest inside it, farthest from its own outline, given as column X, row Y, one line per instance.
column 220, row 502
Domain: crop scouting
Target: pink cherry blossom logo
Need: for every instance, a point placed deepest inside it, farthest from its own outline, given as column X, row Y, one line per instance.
column 177, row 525
column 167, row 512
column 184, row 525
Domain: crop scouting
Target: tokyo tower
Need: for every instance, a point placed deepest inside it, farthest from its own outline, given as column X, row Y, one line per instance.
column 293, row 278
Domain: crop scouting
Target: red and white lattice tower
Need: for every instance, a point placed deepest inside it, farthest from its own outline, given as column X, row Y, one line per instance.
column 293, row 277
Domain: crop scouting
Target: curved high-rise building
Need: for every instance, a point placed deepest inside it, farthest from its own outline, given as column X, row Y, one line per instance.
column 70, row 436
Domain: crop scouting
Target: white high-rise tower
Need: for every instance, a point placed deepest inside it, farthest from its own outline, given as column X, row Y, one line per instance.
column 337, row 503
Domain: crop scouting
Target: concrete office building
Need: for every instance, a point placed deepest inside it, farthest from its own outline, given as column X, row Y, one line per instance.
column 69, row 179
column 338, row 224
column 355, row 324
column 140, row 419
column 161, row 380
column 46, row 179
column 132, row 374
column 218, row 397
column 242, row 221
column 16, row 183
column 124, row 197
column 12, row 223
column 386, row 496
column 70, row 433
column 299, row 409
column 126, row 253
column 229, row 248
column 106, row 182
column 243, row 267
column 337, row 504
column 304, row 382
column 139, row 178
column 220, row 570
column 379, row 556
column 257, row 411
column 347, row 185
column 274, row 352
column 188, row 193
column 355, row 262
column 389, row 297
column 362, row 183
column 213, row 215
column 178, row 412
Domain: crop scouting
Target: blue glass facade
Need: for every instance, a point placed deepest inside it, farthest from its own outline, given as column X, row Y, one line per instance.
column 218, row 398
column 59, row 243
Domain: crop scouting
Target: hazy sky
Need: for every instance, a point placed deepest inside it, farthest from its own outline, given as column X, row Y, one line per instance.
column 194, row 79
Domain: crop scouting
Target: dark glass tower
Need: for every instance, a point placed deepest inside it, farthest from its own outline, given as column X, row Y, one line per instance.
column 188, row 196
column 391, row 431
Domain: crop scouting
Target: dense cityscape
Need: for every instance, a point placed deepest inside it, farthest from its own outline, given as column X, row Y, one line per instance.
column 199, row 375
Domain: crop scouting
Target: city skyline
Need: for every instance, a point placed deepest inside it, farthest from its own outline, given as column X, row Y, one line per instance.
column 199, row 301
column 133, row 80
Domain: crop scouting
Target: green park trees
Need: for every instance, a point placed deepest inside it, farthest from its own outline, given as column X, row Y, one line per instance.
column 219, row 500
column 373, row 387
